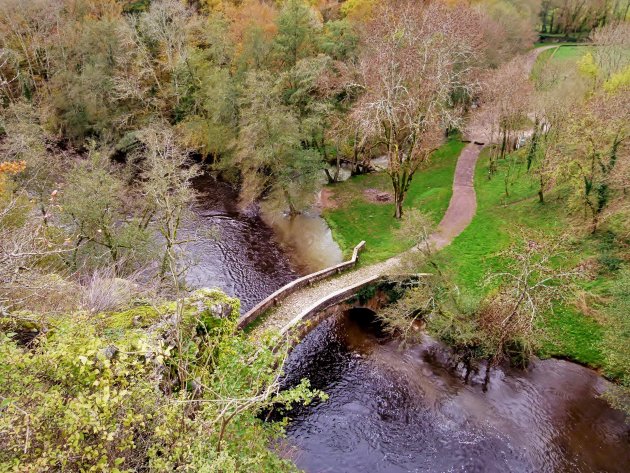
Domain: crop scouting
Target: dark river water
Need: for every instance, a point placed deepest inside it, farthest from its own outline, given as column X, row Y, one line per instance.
column 394, row 410
column 250, row 254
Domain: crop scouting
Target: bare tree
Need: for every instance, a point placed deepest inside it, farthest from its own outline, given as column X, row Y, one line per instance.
column 611, row 53
column 417, row 59
column 168, row 192
column 530, row 284
column 505, row 96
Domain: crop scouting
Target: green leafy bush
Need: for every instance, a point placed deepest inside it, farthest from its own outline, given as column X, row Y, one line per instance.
column 181, row 393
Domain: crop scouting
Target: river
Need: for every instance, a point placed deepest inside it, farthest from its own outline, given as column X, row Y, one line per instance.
column 394, row 410
column 251, row 254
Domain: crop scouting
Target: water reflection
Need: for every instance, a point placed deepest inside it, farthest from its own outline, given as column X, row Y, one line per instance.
column 406, row 411
column 247, row 256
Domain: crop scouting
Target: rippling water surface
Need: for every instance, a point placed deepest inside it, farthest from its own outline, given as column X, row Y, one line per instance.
column 393, row 410
column 249, row 256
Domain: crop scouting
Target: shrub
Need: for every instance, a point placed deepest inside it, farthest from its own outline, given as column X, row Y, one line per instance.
column 90, row 396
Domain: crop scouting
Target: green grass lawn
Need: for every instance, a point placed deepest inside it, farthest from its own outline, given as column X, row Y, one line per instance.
column 356, row 218
column 565, row 56
column 473, row 255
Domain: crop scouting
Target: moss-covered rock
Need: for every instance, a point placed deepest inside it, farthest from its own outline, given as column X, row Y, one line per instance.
column 137, row 317
column 204, row 306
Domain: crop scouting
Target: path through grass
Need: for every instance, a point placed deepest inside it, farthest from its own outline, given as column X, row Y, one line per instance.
column 474, row 254
column 356, row 218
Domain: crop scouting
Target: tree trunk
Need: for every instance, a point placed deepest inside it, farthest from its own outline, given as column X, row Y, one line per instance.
column 292, row 210
column 486, row 379
column 503, row 144
column 399, row 196
column 399, row 209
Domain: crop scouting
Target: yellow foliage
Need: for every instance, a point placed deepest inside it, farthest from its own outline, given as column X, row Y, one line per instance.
column 12, row 167
column 358, row 10
column 618, row 81
column 251, row 14
column 587, row 66
column 213, row 5
column 7, row 168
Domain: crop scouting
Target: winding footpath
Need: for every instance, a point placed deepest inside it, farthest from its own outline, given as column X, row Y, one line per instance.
column 460, row 212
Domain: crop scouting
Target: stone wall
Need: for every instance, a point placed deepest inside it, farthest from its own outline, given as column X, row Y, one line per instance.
column 294, row 286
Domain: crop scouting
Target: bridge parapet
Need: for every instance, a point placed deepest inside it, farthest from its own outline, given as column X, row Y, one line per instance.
column 313, row 315
column 346, row 298
column 285, row 291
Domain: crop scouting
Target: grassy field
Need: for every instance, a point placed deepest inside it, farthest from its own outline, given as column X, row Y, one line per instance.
column 564, row 57
column 356, row 218
column 473, row 255
column 566, row 332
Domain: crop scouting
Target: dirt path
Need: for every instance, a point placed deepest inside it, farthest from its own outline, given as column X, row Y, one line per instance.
column 460, row 212
column 463, row 205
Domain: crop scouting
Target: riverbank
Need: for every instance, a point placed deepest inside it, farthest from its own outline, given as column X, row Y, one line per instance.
column 357, row 215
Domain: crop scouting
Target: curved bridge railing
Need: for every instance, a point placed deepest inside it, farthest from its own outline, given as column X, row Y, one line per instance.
column 294, row 286
column 315, row 311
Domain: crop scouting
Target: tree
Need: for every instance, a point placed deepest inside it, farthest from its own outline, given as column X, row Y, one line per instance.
column 26, row 140
column 253, row 26
column 533, row 280
column 166, row 28
column 339, row 40
column 96, row 202
column 505, row 96
column 167, row 192
column 208, row 111
column 543, row 160
column 595, row 151
column 270, row 154
column 510, row 27
column 611, row 53
column 298, row 31
column 415, row 59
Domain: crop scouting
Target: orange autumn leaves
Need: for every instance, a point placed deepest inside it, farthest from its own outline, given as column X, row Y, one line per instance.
column 10, row 168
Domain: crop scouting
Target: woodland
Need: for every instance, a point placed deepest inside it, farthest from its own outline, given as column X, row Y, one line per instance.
column 109, row 109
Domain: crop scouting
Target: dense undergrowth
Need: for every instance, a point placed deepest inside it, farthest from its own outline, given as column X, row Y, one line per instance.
column 170, row 387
